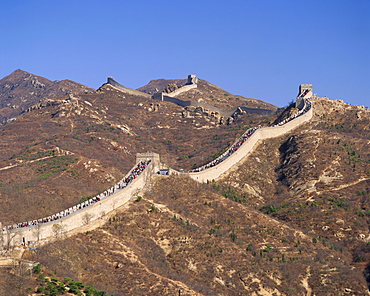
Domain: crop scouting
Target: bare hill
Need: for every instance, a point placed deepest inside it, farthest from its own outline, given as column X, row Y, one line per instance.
column 20, row 90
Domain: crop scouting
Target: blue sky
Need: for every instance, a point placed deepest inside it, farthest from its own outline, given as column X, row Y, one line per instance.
column 261, row 49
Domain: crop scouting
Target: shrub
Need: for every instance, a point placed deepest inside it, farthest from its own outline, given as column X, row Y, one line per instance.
column 37, row 268
column 74, row 289
column 51, row 290
column 68, row 280
column 268, row 248
column 61, row 288
column 233, row 237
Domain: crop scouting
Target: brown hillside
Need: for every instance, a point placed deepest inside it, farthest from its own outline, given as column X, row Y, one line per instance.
column 185, row 238
column 70, row 148
column 216, row 96
column 20, row 90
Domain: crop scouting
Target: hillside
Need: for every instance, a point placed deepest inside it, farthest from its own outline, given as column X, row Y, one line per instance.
column 187, row 238
column 81, row 145
column 291, row 219
column 20, row 90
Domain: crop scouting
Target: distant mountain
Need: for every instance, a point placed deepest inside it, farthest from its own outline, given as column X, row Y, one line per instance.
column 20, row 90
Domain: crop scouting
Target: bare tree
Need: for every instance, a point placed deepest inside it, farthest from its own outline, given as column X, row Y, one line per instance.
column 102, row 214
column 1, row 238
column 87, row 217
column 9, row 239
column 37, row 233
column 58, row 230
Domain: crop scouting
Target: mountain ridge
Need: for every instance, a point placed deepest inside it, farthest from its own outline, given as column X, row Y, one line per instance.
column 20, row 90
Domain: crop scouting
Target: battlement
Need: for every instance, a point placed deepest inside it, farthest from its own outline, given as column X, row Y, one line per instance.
column 155, row 160
column 146, row 156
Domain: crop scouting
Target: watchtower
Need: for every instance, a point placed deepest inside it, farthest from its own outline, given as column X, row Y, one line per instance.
column 154, row 157
column 305, row 92
column 192, row 79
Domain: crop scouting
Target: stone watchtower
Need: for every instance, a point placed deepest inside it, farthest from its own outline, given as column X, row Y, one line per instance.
column 305, row 92
column 150, row 155
column 192, row 79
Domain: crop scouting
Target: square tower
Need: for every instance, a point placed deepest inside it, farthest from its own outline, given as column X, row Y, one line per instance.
column 305, row 92
column 192, row 79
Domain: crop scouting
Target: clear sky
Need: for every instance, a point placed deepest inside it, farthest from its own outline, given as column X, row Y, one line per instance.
column 261, row 48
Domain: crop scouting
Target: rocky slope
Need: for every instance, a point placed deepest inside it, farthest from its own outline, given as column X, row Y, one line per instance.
column 20, row 90
column 291, row 220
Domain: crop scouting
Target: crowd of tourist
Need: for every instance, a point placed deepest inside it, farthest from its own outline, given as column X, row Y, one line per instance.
column 228, row 152
column 248, row 134
column 307, row 106
column 139, row 168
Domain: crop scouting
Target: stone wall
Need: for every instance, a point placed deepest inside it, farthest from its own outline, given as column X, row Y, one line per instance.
column 182, row 89
column 170, row 97
column 236, row 158
column 125, row 89
column 225, row 113
column 91, row 216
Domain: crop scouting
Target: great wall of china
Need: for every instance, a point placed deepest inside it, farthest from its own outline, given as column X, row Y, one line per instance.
column 88, row 215
column 191, row 84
